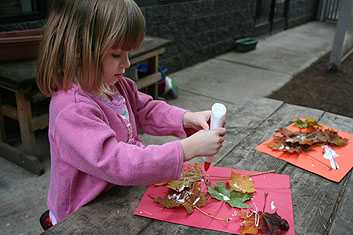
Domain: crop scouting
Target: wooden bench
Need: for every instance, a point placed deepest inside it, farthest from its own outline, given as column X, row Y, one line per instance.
column 19, row 77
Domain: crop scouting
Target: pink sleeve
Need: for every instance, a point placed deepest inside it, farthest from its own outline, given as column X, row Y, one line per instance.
column 83, row 139
column 156, row 117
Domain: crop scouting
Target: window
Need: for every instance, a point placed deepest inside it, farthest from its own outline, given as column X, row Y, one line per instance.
column 12, row 11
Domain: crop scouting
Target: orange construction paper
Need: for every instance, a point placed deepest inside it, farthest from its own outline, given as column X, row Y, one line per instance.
column 344, row 161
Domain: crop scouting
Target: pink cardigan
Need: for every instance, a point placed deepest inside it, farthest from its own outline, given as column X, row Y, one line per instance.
column 89, row 153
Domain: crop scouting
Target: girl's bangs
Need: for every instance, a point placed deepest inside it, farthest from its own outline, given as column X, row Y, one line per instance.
column 131, row 35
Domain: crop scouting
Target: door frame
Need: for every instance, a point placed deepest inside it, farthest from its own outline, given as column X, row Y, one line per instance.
column 273, row 24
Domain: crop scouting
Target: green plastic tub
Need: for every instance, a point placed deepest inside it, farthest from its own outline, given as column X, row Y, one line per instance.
column 245, row 44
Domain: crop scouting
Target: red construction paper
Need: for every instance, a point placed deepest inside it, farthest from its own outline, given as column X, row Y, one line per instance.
column 345, row 159
column 279, row 195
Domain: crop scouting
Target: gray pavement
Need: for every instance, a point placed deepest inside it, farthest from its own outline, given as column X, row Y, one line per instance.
column 226, row 78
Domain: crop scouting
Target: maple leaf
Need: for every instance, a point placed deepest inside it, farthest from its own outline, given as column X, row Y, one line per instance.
column 188, row 198
column 233, row 198
column 188, row 177
column 251, row 224
column 241, row 183
column 309, row 122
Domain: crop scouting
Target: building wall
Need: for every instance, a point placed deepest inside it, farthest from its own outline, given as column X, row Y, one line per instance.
column 302, row 11
column 206, row 28
column 200, row 29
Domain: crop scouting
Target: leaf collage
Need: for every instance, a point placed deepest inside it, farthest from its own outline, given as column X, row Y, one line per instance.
column 187, row 192
column 302, row 141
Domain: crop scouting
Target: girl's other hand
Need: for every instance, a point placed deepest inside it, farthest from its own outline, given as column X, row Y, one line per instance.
column 203, row 143
column 197, row 120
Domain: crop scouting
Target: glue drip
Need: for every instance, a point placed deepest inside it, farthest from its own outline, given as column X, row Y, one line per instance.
column 330, row 154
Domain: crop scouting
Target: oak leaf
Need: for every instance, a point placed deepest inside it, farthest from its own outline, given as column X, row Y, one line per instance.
column 243, row 184
column 233, row 198
column 188, row 198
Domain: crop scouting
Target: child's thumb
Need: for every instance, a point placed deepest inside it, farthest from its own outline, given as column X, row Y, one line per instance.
column 205, row 126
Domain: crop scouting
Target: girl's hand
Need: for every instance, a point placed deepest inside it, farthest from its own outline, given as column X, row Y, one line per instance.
column 197, row 120
column 203, row 143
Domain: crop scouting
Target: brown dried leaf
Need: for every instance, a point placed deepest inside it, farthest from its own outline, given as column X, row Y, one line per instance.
column 241, row 183
column 188, row 198
column 188, row 177
column 268, row 224
column 296, row 142
column 279, row 144
column 334, row 139
column 273, row 224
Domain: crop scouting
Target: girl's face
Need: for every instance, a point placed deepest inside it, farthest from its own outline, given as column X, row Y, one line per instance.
column 114, row 64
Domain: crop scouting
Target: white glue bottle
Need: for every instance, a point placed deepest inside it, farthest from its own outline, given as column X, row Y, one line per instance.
column 217, row 118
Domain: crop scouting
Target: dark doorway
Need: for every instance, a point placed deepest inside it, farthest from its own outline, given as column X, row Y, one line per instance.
column 270, row 16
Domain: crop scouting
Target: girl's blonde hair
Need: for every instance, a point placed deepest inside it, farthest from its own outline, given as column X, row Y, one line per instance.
column 78, row 34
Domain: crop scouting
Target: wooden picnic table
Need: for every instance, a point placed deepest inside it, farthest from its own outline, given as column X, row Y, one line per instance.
column 19, row 77
column 320, row 206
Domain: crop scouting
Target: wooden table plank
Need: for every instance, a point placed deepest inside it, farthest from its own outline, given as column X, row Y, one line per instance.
column 111, row 214
column 340, row 220
column 242, row 118
column 249, row 123
column 245, row 157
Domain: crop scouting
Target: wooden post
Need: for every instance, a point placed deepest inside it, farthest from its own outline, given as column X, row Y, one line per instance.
column 341, row 48
column 25, row 120
column 2, row 125
column 153, row 68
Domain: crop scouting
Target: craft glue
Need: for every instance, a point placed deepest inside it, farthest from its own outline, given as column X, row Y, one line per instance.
column 217, row 119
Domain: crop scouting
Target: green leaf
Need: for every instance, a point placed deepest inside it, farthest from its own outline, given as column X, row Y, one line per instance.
column 234, row 199
column 307, row 123
column 299, row 123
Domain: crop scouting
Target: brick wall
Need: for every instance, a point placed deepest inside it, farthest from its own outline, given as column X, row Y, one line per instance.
column 200, row 29
column 302, row 11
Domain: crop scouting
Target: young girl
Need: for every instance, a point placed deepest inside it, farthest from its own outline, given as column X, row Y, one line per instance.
column 96, row 112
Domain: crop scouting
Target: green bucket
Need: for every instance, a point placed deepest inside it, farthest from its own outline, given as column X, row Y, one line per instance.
column 245, row 44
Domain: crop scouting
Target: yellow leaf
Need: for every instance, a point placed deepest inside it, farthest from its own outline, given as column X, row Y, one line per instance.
column 251, row 223
column 241, row 184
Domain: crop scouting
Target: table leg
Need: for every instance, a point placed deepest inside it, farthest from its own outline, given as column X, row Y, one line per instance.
column 153, row 67
column 25, row 118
